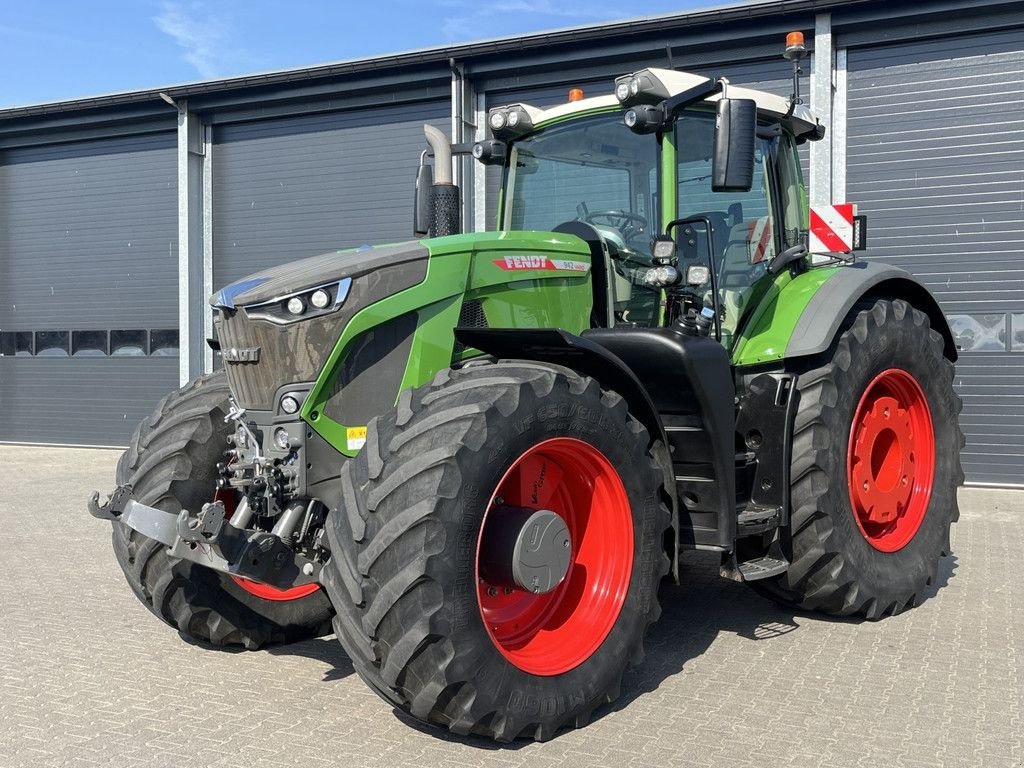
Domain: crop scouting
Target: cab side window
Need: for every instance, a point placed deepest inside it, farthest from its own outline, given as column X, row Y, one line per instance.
column 738, row 226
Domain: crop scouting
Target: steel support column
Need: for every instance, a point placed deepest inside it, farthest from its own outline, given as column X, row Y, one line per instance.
column 838, row 140
column 463, row 128
column 821, row 104
column 190, row 244
column 203, row 307
column 479, row 170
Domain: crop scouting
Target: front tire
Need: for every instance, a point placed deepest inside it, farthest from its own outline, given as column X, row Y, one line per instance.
column 421, row 620
column 171, row 464
column 875, row 469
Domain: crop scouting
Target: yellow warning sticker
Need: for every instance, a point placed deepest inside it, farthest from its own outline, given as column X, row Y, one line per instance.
column 355, row 438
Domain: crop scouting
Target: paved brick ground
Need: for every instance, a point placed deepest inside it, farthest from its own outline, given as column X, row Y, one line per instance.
column 88, row 677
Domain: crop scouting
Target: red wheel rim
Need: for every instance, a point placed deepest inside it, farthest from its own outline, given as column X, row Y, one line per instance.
column 551, row 633
column 268, row 592
column 891, row 460
column 264, row 591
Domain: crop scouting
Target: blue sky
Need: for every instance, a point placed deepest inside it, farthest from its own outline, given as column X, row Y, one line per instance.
column 62, row 49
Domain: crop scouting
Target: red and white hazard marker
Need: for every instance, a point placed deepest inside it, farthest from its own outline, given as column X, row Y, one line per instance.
column 832, row 228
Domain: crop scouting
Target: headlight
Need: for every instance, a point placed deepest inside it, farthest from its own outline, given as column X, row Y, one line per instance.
column 622, row 91
column 320, row 298
column 302, row 305
column 281, row 438
column 289, row 404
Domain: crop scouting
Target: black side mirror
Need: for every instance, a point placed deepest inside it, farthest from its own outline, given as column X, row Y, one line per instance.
column 732, row 164
column 422, row 201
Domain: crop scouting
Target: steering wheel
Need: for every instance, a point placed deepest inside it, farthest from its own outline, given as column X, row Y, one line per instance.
column 628, row 223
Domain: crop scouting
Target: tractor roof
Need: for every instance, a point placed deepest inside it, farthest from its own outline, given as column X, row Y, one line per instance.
column 800, row 122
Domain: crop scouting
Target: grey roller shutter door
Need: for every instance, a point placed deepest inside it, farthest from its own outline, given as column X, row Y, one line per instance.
column 300, row 186
column 88, row 252
column 935, row 159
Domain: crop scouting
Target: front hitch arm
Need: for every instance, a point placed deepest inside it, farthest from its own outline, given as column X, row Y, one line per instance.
column 208, row 539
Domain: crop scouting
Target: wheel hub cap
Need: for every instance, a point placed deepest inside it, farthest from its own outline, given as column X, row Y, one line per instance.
column 525, row 549
column 891, row 460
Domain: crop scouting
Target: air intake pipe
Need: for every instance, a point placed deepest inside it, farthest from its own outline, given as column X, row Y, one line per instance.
column 445, row 206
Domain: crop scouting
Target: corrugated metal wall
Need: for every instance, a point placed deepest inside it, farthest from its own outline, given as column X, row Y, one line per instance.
column 300, row 186
column 88, row 243
column 935, row 158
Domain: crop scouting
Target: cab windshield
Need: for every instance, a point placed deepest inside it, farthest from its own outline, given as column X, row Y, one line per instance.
column 593, row 170
column 596, row 171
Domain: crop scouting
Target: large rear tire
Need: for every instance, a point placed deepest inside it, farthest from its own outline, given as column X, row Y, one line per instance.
column 875, row 469
column 171, row 464
column 424, row 624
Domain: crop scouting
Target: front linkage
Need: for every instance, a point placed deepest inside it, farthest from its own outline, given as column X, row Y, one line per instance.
column 217, row 539
column 209, row 539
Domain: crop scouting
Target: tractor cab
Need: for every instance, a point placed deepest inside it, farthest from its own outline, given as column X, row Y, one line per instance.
column 708, row 176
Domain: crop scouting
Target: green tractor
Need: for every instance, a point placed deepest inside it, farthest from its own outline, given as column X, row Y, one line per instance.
column 476, row 456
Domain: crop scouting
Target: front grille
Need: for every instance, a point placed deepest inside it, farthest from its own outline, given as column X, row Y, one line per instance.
column 286, row 354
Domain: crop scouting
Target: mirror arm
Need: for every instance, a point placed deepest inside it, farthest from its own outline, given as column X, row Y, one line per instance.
column 699, row 92
column 787, row 257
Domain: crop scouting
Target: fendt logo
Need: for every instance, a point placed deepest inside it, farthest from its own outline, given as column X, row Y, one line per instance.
column 516, row 263
column 241, row 355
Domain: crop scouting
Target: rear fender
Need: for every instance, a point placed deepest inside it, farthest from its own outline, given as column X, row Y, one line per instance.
column 821, row 320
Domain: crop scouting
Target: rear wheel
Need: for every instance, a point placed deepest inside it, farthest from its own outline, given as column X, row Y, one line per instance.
column 875, row 468
column 495, row 563
column 171, row 464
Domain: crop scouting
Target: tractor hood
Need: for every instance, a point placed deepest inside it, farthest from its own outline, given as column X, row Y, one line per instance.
column 279, row 282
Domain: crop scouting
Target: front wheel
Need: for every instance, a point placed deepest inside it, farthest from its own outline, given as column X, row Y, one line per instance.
column 495, row 563
column 171, row 464
column 875, row 468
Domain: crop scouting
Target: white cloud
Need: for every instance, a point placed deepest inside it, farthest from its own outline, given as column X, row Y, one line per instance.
column 489, row 18
column 202, row 35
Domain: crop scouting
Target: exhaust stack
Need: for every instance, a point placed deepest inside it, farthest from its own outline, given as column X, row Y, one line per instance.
column 445, row 213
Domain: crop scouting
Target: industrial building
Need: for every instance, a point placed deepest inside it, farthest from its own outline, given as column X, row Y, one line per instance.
column 120, row 214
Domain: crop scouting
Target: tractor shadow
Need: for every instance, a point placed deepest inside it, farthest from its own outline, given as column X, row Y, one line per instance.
column 694, row 613
column 704, row 606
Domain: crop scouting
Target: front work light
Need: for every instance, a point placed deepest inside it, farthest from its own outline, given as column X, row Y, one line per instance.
column 698, row 274
column 644, row 118
column 643, row 87
column 490, row 152
column 511, row 121
column 497, row 120
column 663, row 249
column 296, row 305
